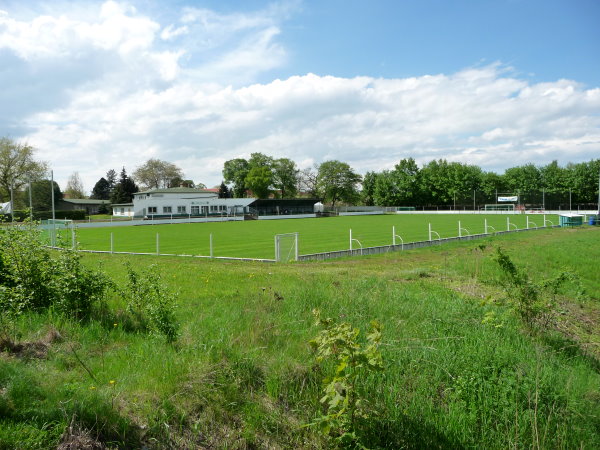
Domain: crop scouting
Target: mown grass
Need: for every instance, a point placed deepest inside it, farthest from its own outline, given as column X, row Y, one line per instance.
column 254, row 239
column 242, row 374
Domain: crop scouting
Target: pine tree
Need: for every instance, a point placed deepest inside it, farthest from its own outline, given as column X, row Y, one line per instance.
column 224, row 191
column 124, row 190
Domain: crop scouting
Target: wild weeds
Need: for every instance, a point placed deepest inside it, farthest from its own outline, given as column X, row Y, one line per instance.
column 151, row 302
column 535, row 303
column 354, row 361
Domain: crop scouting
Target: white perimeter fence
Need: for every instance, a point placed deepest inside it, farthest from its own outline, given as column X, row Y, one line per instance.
column 434, row 239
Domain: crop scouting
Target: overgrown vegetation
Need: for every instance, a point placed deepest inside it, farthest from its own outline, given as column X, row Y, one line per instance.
column 535, row 303
column 151, row 303
column 343, row 391
column 242, row 373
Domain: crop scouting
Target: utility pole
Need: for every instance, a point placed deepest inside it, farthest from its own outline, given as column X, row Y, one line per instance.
column 30, row 203
column 12, row 204
column 598, row 194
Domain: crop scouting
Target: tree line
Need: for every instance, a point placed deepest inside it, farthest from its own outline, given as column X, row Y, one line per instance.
column 438, row 182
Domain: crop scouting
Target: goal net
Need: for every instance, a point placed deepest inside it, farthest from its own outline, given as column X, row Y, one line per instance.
column 286, row 247
column 499, row 207
column 52, row 229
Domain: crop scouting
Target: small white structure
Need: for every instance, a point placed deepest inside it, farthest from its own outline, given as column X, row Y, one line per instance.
column 5, row 208
column 182, row 202
column 122, row 209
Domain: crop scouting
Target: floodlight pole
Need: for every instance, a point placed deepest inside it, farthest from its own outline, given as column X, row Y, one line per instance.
column 544, row 199
column 53, row 211
column 12, row 204
column 570, row 208
column 30, row 203
column 598, row 194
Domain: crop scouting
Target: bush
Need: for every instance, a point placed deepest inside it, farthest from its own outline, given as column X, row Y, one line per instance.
column 32, row 279
column 151, row 302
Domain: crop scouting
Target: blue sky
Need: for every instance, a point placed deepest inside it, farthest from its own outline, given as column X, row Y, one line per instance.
column 97, row 85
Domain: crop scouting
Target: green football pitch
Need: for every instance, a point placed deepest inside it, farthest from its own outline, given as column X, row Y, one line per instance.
column 255, row 238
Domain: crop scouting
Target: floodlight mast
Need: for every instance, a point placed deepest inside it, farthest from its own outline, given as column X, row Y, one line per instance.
column 599, row 193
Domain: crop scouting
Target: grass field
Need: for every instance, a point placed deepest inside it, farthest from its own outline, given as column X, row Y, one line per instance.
column 242, row 374
column 255, row 239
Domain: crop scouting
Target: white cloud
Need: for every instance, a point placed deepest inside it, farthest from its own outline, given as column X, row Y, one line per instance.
column 186, row 92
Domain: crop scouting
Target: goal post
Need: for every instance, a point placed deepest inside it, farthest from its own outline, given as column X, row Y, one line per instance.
column 499, row 207
column 52, row 229
column 286, row 247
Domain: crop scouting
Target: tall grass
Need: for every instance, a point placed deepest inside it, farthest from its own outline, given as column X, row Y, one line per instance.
column 242, row 373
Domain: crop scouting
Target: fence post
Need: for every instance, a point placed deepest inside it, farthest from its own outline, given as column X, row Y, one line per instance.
column 211, row 245
column 393, row 235
column 459, row 230
column 111, row 243
column 507, row 224
column 429, row 231
column 157, row 244
column 350, row 239
column 485, row 225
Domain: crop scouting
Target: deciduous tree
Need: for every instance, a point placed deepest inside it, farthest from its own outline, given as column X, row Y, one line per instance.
column 17, row 166
column 74, row 187
column 235, row 171
column 155, row 174
column 337, row 181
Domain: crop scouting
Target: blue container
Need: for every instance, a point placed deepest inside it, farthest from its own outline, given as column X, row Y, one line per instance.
column 593, row 220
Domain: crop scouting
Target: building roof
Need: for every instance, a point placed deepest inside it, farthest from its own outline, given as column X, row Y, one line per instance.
column 177, row 190
column 121, row 204
column 85, row 201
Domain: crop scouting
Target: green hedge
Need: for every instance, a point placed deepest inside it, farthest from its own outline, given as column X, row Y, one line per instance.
column 77, row 214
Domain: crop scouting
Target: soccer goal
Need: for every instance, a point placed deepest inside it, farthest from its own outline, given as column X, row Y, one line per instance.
column 499, row 207
column 52, row 229
column 286, row 247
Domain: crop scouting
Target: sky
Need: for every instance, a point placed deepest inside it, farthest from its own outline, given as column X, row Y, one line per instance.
column 100, row 85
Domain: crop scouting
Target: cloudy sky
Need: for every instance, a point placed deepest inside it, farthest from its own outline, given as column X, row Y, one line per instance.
column 98, row 85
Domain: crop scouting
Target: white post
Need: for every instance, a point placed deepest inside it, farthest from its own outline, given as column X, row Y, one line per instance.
column 296, row 246
column 111, row 243
column 459, row 230
column 507, row 224
column 393, row 235
column 72, row 236
column 350, row 239
column 211, row 245
column 157, row 244
column 485, row 225
column 430, row 231
column 527, row 218
column 544, row 220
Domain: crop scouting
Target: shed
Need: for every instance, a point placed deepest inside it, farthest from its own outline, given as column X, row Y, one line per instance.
column 570, row 220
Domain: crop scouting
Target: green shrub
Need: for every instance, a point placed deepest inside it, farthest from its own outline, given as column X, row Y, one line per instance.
column 32, row 279
column 535, row 303
column 342, row 395
column 151, row 302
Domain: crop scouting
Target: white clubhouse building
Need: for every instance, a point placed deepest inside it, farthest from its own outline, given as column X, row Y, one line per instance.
column 181, row 202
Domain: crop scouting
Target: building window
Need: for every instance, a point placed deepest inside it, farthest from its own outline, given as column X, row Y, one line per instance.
column 122, row 210
column 195, row 210
column 167, row 210
column 181, row 209
column 151, row 209
column 213, row 208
